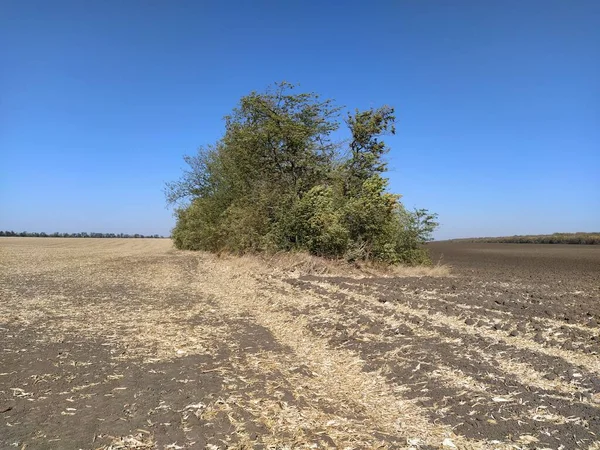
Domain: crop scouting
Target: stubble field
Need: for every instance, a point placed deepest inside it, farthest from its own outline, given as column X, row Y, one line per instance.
column 122, row 344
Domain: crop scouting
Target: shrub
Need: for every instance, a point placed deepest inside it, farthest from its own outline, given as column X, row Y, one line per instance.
column 275, row 181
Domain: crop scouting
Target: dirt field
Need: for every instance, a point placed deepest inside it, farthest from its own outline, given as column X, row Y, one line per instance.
column 114, row 344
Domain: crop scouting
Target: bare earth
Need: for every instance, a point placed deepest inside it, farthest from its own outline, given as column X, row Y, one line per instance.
column 114, row 344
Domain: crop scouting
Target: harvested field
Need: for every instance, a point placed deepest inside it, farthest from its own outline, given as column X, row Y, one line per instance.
column 130, row 344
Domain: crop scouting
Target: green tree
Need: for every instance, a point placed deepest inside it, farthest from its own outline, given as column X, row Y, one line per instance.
column 367, row 149
column 277, row 181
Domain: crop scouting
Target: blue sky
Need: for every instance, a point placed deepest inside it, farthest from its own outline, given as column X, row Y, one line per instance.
column 498, row 103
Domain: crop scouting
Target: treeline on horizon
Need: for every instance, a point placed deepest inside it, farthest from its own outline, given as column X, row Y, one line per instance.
column 277, row 181
column 79, row 235
column 555, row 238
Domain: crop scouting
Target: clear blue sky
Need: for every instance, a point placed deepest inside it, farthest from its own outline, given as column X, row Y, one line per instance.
column 498, row 102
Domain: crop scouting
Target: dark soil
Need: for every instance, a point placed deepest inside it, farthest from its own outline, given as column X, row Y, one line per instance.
column 505, row 351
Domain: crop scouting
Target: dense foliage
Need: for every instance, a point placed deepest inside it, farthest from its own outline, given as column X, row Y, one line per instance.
column 76, row 235
column 556, row 238
column 277, row 181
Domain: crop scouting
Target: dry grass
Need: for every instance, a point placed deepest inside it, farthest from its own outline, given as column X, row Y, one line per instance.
column 302, row 263
column 337, row 375
column 140, row 441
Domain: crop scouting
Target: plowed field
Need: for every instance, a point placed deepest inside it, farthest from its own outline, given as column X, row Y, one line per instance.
column 130, row 344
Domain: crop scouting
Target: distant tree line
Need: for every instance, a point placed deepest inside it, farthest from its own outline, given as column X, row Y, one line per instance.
column 78, row 235
column 556, row 238
column 276, row 181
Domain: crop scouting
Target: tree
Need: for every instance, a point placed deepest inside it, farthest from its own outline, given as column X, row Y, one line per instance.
column 422, row 224
column 276, row 147
column 274, row 136
column 366, row 148
column 277, row 181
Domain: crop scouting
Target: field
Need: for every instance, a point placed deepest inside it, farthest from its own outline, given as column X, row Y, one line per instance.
column 120, row 344
column 556, row 238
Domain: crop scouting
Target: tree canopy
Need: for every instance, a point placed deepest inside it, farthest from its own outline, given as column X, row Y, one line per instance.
column 276, row 180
